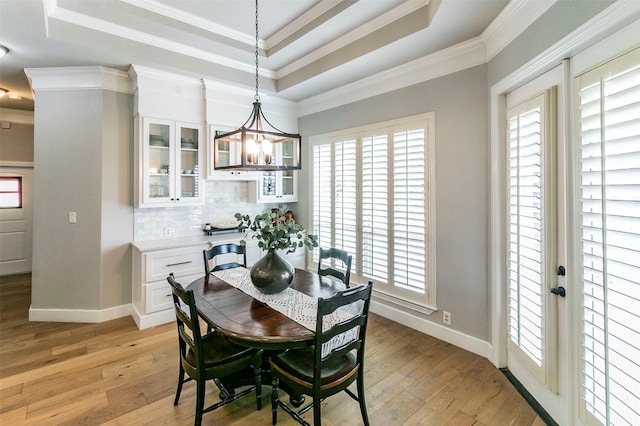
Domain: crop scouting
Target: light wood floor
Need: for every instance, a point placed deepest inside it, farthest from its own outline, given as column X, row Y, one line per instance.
column 112, row 373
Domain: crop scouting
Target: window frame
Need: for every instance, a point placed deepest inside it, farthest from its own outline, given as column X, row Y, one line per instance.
column 19, row 192
column 419, row 302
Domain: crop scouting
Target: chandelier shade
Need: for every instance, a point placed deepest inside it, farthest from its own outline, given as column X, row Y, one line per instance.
column 257, row 144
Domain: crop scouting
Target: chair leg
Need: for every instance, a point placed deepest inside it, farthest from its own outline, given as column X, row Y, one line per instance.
column 180, row 382
column 274, row 400
column 316, row 413
column 201, row 384
column 257, row 369
column 361, row 401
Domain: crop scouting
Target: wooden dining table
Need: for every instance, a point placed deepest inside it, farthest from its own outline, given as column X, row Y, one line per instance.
column 252, row 323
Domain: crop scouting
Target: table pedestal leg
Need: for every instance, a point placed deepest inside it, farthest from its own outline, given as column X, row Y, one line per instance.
column 296, row 400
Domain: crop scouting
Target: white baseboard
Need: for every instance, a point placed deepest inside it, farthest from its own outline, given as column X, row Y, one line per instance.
column 152, row 319
column 446, row 334
column 470, row 343
column 79, row 315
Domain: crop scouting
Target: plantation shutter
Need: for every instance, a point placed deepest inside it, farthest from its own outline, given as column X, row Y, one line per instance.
column 370, row 198
column 323, row 194
column 609, row 132
column 409, row 209
column 345, row 212
column 526, row 257
column 375, row 210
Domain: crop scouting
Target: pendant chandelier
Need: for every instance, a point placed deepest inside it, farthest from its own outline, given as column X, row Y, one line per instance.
column 257, row 144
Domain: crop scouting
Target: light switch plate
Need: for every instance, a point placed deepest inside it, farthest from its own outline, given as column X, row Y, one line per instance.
column 72, row 217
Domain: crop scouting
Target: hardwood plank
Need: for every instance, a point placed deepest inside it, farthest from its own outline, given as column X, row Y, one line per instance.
column 112, row 373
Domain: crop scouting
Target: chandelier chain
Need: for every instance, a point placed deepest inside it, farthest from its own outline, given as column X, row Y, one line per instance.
column 257, row 96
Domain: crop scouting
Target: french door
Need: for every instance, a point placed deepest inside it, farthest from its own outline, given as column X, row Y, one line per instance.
column 535, row 250
column 608, row 250
column 573, row 221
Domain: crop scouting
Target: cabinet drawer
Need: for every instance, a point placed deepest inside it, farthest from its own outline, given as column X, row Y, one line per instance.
column 158, row 297
column 184, row 261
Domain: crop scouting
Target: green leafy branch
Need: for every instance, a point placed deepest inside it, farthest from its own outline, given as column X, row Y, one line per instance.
column 277, row 230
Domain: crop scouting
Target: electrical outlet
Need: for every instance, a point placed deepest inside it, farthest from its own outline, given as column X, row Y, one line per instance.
column 446, row 317
column 72, row 217
column 167, row 232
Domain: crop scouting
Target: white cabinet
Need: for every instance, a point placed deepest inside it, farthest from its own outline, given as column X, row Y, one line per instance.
column 277, row 186
column 151, row 298
column 153, row 261
column 227, row 154
column 168, row 159
column 281, row 187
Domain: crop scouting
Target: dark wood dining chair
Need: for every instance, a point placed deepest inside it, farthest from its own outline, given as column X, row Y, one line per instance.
column 212, row 357
column 220, row 250
column 335, row 360
column 327, row 264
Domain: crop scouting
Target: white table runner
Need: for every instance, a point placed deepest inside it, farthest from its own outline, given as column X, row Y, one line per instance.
column 292, row 303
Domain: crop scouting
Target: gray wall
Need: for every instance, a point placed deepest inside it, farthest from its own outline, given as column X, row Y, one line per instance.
column 82, row 163
column 16, row 143
column 459, row 101
column 117, row 199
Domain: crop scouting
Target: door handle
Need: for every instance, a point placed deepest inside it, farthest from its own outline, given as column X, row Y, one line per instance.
column 559, row 291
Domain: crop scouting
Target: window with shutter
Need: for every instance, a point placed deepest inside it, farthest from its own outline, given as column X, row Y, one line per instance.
column 409, row 204
column 526, row 272
column 609, row 201
column 371, row 198
column 375, row 199
column 531, row 233
column 322, row 194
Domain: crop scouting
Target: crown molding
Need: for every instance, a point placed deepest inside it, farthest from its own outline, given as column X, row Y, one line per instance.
column 511, row 22
column 74, row 78
column 214, row 89
column 475, row 52
column 453, row 59
column 140, row 74
column 611, row 19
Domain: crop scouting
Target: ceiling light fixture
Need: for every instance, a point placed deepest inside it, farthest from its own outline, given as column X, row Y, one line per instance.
column 3, row 50
column 3, row 92
column 260, row 145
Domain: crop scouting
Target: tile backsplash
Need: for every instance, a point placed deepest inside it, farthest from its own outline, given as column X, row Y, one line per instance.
column 223, row 199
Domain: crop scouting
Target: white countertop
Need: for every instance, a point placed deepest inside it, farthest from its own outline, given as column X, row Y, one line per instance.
column 169, row 243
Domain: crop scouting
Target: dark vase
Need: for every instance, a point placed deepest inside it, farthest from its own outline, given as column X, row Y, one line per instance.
column 272, row 273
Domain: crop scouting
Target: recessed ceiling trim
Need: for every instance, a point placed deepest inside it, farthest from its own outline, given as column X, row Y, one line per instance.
column 95, row 24
column 456, row 58
column 306, row 22
column 195, row 21
column 357, row 34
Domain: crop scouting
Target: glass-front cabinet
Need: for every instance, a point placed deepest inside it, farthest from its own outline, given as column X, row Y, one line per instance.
column 170, row 164
column 278, row 186
column 227, row 154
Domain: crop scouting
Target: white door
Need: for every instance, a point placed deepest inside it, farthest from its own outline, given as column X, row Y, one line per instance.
column 575, row 201
column 607, row 249
column 536, row 240
column 16, row 220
